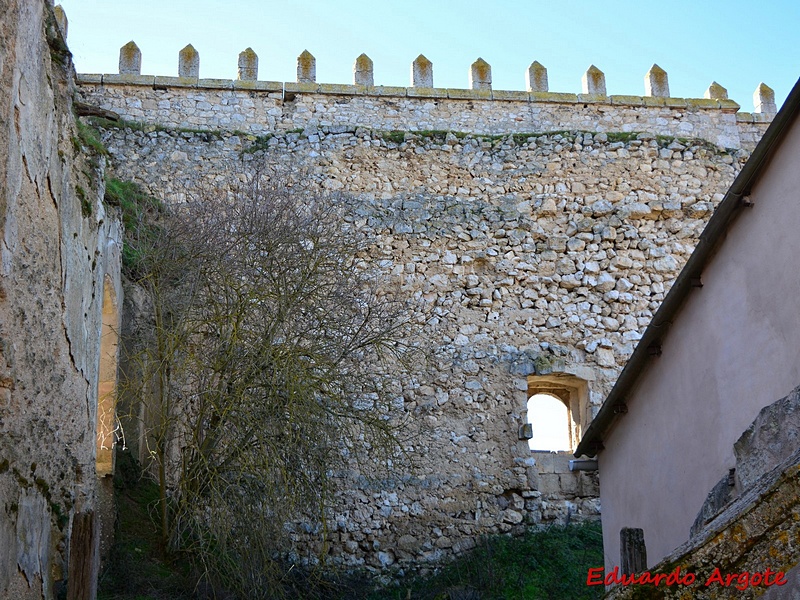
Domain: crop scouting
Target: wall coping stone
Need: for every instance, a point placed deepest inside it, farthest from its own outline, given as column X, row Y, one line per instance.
column 725, row 105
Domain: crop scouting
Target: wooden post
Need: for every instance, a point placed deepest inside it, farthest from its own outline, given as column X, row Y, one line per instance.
column 83, row 557
column 633, row 554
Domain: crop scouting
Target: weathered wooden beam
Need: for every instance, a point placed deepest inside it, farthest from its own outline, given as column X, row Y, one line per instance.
column 632, row 551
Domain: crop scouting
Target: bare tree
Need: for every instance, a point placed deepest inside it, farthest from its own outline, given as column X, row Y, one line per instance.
column 273, row 364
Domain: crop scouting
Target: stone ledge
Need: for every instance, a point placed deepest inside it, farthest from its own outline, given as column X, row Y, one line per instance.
column 654, row 101
column 215, row 84
column 627, row 100
column 184, row 82
column 702, row 103
column 425, row 92
column 554, row 97
column 387, row 90
column 511, row 95
column 593, row 99
column 129, row 79
column 259, row 86
column 676, row 102
column 299, row 88
column 461, row 94
column 342, row 89
column 729, row 106
column 88, row 78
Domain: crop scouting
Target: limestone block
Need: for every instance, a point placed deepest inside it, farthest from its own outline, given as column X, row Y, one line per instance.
column 771, row 438
column 511, row 95
column 728, row 106
column 215, row 84
column 248, row 65
column 130, row 59
column 61, row 19
column 267, row 86
column 88, row 78
column 389, row 90
column 549, row 484
column 569, row 483
column 554, row 97
column 656, row 82
column 480, row 75
column 363, row 71
column 338, row 89
column 147, row 80
column 306, row 68
column 592, row 98
column 164, row 81
column 469, row 94
column 716, row 91
column 304, row 87
column 654, row 101
column 424, row 92
column 189, row 62
column 536, row 78
column 512, row 516
column 674, row 102
column 422, row 72
column 629, row 100
column 594, row 82
column 764, row 100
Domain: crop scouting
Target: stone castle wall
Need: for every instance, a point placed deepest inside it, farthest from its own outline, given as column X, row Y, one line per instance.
column 538, row 231
column 533, row 257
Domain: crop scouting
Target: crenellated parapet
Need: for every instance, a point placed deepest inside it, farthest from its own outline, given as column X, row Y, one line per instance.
column 257, row 106
column 593, row 82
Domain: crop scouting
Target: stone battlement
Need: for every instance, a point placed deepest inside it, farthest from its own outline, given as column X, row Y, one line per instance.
column 258, row 107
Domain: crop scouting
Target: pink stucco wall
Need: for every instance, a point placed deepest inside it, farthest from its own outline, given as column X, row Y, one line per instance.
column 734, row 348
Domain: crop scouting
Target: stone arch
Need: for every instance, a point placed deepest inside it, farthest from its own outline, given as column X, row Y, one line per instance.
column 107, row 380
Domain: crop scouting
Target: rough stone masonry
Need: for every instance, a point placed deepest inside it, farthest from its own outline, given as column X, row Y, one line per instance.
column 538, row 231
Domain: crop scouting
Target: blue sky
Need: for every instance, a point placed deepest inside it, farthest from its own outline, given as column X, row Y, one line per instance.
column 736, row 43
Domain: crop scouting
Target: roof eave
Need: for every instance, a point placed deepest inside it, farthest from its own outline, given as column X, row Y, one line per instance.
column 727, row 211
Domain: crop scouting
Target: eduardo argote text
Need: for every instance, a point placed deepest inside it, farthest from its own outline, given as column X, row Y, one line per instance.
column 740, row 581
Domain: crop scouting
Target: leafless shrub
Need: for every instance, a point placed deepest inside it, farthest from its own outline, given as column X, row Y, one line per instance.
column 273, row 364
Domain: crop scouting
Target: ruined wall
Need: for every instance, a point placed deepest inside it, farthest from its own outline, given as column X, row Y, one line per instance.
column 58, row 245
column 532, row 256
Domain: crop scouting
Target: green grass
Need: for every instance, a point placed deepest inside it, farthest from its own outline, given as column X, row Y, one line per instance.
column 622, row 136
column 261, row 142
column 548, row 564
column 89, row 138
column 139, row 216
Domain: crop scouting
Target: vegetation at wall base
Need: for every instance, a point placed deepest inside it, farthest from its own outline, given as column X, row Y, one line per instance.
column 137, row 568
column 545, row 564
column 549, row 564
